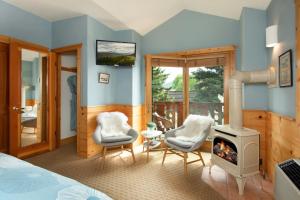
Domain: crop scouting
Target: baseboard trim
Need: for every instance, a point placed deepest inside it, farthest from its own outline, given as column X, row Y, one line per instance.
column 69, row 140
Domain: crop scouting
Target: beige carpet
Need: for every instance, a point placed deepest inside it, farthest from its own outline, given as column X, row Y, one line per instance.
column 122, row 180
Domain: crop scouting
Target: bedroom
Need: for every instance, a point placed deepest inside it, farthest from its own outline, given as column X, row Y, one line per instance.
column 180, row 39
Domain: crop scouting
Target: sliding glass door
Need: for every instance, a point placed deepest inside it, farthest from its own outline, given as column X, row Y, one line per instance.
column 167, row 97
column 206, row 92
column 182, row 85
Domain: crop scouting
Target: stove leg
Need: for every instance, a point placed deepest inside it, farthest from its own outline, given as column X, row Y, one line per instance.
column 241, row 181
column 260, row 179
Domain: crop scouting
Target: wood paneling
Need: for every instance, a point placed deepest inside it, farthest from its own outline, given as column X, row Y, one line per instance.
column 4, row 56
column 256, row 119
column 282, row 141
column 88, row 147
column 279, row 137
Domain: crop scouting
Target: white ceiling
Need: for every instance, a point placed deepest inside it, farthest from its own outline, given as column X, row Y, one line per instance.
column 139, row 15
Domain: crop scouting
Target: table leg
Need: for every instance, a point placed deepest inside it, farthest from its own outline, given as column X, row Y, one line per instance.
column 143, row 144
column 148, row 148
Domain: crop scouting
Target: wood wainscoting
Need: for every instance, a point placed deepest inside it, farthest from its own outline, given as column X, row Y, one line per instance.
column 282, row 142
column 86, row 145
column 257, row 119
column 279, row 139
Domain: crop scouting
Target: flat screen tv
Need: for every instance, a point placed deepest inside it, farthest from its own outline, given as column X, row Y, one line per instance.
column 115, row 53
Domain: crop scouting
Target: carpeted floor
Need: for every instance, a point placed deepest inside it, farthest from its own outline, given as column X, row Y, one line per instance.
column 122, row 180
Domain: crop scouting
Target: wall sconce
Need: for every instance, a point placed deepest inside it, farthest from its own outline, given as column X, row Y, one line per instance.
column 272, row 36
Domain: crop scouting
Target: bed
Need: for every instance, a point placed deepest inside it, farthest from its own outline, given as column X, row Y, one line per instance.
column 20, row 180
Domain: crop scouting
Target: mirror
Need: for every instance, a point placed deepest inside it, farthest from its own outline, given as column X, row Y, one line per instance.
column 34, row 98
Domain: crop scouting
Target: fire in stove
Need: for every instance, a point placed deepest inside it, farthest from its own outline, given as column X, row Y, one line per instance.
column 225, row 149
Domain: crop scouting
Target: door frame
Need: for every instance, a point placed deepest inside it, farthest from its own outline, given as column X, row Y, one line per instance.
column 14, row 85
column 227, row 52
column 5, row 41
column 76, row 48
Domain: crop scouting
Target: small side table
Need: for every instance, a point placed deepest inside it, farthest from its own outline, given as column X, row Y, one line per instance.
column 150, row 141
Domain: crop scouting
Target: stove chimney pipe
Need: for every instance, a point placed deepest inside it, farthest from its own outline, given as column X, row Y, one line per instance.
column 235, row 92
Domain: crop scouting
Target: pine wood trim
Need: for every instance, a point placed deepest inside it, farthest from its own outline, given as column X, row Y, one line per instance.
column 81, row 120
column 194, row 52
column 30, row 46
column 4, row 95
column 69, row 140
column 66, row 49
column 69, row 69
column 4, row 39
column 52, row 100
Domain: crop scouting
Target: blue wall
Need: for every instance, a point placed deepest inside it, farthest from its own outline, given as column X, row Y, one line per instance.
column 130, row 89
column 282, row 13
column 187, row 30
column 254, row 55
column 192, row 30
column 124, row 83
column 98, row 94
column 69, row 32
column 23, row 25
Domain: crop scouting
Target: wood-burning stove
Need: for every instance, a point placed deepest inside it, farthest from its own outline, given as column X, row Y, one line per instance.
column 225, row 149
column 236, row 151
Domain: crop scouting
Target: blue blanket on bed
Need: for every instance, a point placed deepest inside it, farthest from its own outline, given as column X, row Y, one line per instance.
column 20, row 180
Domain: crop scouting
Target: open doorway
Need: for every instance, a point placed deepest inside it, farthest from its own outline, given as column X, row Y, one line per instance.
column 68, row 87
column 68, row 94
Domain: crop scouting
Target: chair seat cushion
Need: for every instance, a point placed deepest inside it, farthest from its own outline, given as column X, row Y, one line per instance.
column 180, row 143
column 114, row 139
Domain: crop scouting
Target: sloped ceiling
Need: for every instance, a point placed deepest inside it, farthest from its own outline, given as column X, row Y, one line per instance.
column 139, row 15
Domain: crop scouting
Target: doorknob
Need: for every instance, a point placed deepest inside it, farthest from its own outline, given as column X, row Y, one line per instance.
column 19, row 110
column 15, row 108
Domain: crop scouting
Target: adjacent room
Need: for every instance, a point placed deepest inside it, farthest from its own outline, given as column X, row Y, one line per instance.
column 149, row 99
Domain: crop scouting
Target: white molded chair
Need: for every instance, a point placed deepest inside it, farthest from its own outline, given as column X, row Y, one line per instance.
column 188, row 138
column 114, row 131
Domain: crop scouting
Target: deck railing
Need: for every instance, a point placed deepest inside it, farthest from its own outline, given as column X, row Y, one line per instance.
column 174, row 111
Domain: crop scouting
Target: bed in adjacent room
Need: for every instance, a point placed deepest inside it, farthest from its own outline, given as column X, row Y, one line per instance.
column 20, row 180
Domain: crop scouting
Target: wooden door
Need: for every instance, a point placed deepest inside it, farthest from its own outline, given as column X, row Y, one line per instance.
column 4, row 52
column 14, row 98
column 29, row 79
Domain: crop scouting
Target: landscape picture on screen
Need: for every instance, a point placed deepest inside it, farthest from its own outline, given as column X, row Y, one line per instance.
column 115, row 53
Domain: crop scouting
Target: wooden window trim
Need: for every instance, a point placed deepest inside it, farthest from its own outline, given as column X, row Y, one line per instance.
column 227, row 52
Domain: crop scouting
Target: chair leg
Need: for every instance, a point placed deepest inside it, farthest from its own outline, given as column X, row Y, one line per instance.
column 201, row 158
column 103, row 156
column 165, row 154
column 132, row 152
column 185, row 163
